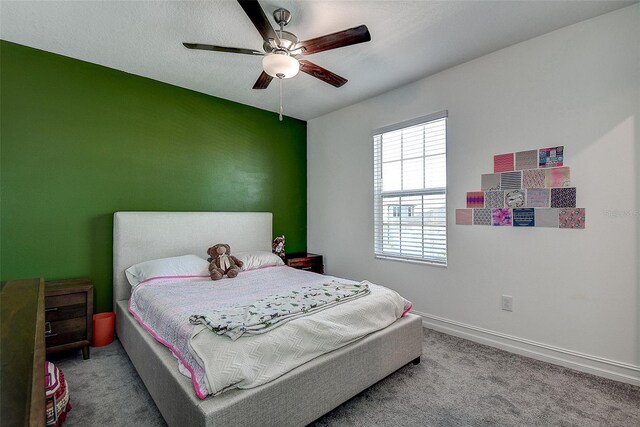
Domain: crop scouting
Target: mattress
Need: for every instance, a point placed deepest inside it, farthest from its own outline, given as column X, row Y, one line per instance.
column 216, row 363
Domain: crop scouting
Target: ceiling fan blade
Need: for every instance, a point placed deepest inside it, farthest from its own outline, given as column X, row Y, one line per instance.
column 335, row 40
column 322, row 74
column 260, row 21
column 200, row 46
column 263, row 81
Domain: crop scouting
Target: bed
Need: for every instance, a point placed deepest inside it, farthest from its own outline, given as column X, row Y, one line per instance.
column 295, row 398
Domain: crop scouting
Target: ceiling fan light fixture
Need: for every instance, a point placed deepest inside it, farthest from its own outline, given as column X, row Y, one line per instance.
column 280, row 65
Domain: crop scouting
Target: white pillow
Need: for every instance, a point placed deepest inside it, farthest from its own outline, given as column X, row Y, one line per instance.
column 180, row 266
column 258, row 259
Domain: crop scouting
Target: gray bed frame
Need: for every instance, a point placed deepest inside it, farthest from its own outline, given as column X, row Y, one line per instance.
column 296, row 398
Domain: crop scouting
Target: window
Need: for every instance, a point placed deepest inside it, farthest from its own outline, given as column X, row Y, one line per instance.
column 410, row 188
column 397, row 210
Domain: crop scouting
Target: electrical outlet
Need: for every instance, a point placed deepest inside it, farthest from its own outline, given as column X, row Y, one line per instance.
column 507, row 302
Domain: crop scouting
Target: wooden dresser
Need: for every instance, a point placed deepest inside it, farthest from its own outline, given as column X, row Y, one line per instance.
column 69, row 315
column 22, row 366
column 306, row 261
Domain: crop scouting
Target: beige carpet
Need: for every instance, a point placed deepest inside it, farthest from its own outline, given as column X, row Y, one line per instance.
column 458, row 383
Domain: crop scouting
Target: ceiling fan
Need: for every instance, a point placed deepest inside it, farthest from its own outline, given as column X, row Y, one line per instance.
column 282, row 50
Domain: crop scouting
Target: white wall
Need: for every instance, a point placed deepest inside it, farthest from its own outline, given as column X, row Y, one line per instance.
column 576, row 297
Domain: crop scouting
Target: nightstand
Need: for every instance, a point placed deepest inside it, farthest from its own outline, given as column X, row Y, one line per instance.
column 68, row 312
column 306, row 261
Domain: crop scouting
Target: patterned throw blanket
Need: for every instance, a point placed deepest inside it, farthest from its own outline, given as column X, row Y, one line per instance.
column 270, row 312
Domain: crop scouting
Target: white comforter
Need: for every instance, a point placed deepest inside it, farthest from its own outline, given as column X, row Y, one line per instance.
column 251, row 361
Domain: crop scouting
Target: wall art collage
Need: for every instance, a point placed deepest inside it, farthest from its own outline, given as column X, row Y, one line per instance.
column 526, row 189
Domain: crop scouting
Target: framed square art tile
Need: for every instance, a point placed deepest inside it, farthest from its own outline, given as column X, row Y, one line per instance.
column 533, row 178
column 563, row 197
column 464, row 216
column 547, row 218
column 475, row 199
column 511, row 180
column 538, row 198
column 490, row 181
column 501, row 217
column 514, row 198
column 494, row 199
column 482, row 217
column 524, row 217
column 572, row 218
column 503, row 162
column 551, row 157
column 557, row 177
column 527, row 160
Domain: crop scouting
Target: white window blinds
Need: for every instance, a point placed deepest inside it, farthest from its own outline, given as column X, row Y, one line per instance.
column 410, row 186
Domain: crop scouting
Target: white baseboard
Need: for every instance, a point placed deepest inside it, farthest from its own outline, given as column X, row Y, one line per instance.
column 607, row 368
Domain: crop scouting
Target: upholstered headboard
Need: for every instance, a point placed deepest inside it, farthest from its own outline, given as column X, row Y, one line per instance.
column 143, row 236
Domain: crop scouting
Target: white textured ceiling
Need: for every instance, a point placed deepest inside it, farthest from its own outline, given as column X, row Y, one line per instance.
column 410, row 40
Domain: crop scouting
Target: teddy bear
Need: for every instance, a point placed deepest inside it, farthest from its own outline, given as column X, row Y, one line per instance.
column 222, row 262
column 278, row 247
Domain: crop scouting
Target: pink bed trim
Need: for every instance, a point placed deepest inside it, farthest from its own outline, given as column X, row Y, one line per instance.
column 408, row 309
column 168, row 277
column 200, row 277
column 264, row 267
column 196, row 386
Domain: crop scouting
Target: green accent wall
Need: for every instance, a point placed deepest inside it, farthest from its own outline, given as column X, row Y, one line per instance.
column 80, row 141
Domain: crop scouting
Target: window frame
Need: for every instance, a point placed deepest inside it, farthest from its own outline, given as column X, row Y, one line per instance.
column 378, row 196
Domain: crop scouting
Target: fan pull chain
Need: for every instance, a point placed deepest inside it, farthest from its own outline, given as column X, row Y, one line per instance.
column 281, row 109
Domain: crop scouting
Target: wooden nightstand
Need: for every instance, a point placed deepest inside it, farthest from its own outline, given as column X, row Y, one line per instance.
column 306, row 261
column 68, row 315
